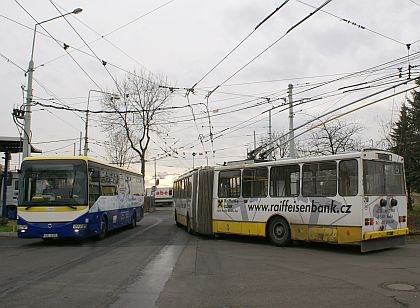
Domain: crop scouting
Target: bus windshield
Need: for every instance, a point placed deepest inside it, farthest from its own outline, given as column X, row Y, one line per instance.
column 53, row 182
column 383, row 178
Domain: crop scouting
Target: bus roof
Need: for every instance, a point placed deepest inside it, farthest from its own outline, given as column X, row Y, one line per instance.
column 368, row 153
column 84, row 158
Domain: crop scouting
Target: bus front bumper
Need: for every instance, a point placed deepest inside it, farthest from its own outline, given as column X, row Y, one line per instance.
column 50, row 230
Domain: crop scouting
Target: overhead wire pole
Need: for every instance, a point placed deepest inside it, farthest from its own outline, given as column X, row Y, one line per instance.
column 113, row 96
column 291, row 131
column 349, row 104
column 27, row 125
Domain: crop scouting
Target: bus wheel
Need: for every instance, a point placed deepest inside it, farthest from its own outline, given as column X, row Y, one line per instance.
column 133, row 223
column 278, row 231
column 104, row 228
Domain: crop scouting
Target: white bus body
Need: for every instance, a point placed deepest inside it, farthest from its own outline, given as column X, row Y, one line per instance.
column 346, row 198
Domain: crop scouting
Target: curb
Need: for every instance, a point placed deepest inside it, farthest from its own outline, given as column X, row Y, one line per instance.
column 8, row 234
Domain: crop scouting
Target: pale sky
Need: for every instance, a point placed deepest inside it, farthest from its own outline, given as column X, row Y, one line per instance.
column 183, row 40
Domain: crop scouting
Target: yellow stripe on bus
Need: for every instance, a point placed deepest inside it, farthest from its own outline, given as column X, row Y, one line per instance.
column 385, row 233
column 239, row 227
column 330, row 234
column 51, row 209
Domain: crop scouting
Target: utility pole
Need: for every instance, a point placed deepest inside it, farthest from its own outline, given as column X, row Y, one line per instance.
column 112, row 96
column 291, row 132
column 26, row 150
column 270, row 156
column 255, row 141
column 80, row 144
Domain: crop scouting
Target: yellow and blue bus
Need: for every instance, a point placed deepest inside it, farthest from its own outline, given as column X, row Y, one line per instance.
column 349, row 198
column 76, row 197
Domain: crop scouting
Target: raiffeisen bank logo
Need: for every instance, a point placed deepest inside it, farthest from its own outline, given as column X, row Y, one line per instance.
column 286, row 207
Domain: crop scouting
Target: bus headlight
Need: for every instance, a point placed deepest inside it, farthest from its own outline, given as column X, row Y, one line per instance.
column 22, row 227
column 79, row 226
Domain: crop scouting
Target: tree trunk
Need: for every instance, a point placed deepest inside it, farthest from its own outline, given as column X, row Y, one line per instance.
column 409, row 199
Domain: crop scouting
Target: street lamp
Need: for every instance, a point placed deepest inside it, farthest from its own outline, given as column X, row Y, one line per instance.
column 27, row 125
column 113, row 96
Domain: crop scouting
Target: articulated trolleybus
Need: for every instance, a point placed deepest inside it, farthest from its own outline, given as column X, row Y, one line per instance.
column 76, row 197
column 347, row 198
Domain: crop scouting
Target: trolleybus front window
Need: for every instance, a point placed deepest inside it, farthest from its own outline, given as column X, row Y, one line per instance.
column 383, row 178
column 53, row 183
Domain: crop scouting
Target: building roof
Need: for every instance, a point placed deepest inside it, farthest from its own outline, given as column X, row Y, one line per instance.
column 14, row 145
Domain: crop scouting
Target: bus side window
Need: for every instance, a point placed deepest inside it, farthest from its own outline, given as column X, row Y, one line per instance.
column 94, row 185
column 229, row 184
column 319, row 179
column 348, row 178
column 255, row 182
column 284, row 181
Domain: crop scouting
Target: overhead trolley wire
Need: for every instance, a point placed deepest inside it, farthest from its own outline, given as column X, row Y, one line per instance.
column 269, row 46
column 113, row 31
column 344, row 106
column 74, row 60
column 239, row 44
column 354, row 24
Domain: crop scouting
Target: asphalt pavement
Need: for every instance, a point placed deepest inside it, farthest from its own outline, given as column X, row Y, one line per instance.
column 159, row 265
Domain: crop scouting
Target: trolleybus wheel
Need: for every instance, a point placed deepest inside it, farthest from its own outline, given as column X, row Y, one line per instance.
column 133, row 223
column 104, row 228
column 278, row 231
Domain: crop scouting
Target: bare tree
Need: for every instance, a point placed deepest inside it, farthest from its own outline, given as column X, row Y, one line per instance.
column 333, row 137
column 118, row 149
column 137, row 111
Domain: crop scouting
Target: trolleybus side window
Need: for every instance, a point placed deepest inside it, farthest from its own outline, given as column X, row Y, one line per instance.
column 319, row 179
column 255, row 182
column 229, row 184
column 284, row 181
column 348, row 177
column 187, row 188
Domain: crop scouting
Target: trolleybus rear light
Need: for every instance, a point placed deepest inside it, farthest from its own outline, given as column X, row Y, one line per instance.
column 402, row 218
column 367, row 221
column 371, row 221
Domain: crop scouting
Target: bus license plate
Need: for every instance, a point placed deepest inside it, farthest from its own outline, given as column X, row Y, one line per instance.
column 50, row 235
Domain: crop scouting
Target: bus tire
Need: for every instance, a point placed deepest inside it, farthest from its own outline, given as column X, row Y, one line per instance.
column 133, row 223
column 104, row 228
column 278, row 231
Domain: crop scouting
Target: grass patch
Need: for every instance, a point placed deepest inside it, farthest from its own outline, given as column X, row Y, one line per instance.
column 414, row 222
column 7, row 225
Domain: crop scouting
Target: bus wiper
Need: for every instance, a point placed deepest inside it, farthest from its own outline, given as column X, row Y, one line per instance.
column 72, row 206
column 28, row 207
